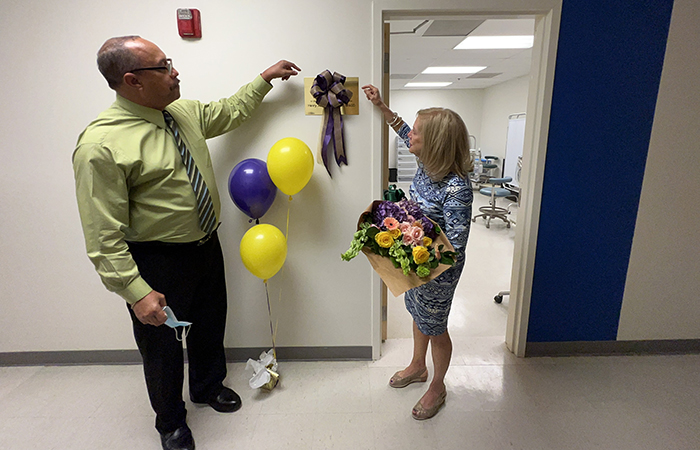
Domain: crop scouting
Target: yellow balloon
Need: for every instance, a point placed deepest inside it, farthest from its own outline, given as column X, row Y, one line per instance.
column 263, row 250
column 290, row 165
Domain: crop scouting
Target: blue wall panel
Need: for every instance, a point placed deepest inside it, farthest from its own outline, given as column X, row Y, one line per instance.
column 609, row 61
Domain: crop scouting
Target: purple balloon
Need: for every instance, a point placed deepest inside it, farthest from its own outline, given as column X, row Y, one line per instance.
column 251, row 188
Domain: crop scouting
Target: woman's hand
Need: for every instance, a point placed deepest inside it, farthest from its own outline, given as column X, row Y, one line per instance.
column 372, row 94
column 375, row 97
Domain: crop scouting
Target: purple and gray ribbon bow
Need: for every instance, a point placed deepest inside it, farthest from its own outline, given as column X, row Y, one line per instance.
column 330, row 94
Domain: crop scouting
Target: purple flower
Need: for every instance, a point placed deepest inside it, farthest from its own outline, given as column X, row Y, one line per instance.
column 412, row 208
column 428, row 228
column 387, row 209
column 403, row 211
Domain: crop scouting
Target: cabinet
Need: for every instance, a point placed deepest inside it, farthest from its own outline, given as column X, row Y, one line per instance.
column 406, row 163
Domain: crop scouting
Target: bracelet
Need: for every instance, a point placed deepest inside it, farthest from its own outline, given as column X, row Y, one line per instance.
column 396, row 120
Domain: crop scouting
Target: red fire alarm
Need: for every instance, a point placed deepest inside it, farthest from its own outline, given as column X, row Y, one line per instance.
column 189, row 24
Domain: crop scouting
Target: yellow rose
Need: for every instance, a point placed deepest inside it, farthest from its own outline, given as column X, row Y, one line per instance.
column 427, row 241
column 384, row 239
column 395, row 233
column 420, row 254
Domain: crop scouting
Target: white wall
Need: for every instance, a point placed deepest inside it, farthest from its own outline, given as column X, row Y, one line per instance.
column 661, row 294
column 485, row 111
column 50, row 296
column 501, row 101
column 468, row 103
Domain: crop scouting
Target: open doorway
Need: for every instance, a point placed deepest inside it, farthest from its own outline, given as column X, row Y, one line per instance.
column 540, row 83
column 492, row 86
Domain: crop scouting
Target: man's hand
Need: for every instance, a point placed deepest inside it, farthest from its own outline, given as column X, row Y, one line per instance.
column 149, row 310
column 283, row 69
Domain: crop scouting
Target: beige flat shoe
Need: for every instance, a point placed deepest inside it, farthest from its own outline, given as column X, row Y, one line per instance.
column 399, row 382
column 420, row 413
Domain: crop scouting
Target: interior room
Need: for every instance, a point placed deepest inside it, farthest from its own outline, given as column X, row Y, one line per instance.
column 597, row 344
column 485, row 99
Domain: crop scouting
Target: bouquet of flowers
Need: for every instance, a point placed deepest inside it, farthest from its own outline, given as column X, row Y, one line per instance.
column 406, row 248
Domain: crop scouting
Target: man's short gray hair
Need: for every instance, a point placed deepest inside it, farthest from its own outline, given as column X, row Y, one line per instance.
column 114, row 59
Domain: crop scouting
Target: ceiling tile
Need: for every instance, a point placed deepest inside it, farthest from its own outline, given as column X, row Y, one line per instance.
column 412, row 52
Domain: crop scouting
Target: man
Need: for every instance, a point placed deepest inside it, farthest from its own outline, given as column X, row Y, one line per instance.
column 149, row 208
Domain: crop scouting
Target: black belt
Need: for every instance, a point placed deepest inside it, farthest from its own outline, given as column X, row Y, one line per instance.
column 198, row 243
column 205, row 239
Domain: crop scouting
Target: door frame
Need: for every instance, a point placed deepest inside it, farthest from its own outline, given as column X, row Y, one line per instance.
column 547, row 15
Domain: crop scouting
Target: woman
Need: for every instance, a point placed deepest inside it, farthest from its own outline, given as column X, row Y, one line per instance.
column 440, row 141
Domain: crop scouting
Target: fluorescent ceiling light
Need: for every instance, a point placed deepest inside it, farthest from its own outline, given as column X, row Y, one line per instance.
column 495, row 42
column 462, row 69
column 429, row 84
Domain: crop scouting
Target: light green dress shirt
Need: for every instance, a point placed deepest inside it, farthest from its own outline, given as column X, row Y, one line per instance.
column 131, row 183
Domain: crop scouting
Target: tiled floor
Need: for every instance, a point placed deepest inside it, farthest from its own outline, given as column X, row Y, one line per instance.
column 495, row 401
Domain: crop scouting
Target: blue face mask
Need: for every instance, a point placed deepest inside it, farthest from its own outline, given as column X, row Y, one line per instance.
column 173, row 323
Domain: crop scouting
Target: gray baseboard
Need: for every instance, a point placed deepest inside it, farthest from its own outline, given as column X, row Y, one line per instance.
column 602, row 348
column 70, row 357
column 106, row 357
column 303, row 353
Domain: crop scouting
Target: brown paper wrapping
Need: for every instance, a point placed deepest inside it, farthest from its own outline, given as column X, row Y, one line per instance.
column 393, row 277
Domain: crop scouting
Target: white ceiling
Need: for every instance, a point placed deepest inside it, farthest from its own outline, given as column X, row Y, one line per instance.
column 417, row 44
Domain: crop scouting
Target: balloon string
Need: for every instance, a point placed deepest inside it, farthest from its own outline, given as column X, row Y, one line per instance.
column 289, row 207
column 279, row 304
column 269, row 313
column 277, row 322
column 279, row 300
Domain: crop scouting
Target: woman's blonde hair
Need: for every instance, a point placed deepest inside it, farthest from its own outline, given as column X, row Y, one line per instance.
column 445, row 143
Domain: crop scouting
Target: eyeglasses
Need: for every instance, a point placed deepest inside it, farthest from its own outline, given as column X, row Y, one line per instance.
column 168, row 66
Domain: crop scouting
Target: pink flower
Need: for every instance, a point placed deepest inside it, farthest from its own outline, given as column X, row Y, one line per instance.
column 413, row 236
column 390, row 223
column 404, row 227
column 417, row 234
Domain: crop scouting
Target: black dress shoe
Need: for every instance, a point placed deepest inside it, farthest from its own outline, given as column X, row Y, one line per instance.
column 225, row 400
column 180, row 439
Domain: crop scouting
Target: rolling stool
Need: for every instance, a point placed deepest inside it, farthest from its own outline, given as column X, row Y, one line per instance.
column 488, row 169
column 490, row 165
column 493, row 211
column 484, row 174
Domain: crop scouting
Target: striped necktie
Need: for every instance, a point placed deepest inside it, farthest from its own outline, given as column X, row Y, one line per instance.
column 205, row 207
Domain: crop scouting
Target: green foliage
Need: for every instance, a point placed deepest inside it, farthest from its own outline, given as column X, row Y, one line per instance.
column 422, row 271
column 358, row 241
column 399, row 254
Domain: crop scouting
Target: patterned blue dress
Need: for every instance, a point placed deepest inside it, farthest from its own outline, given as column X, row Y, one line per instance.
column 449, row 203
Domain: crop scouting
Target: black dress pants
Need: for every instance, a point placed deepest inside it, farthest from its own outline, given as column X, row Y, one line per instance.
column 192, row 279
